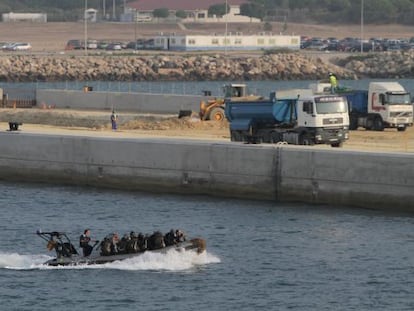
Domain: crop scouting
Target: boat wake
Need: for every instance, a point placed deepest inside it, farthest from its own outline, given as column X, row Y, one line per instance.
column 171, row 261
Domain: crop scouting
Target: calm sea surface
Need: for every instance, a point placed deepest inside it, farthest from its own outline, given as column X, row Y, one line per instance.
column 261, row 255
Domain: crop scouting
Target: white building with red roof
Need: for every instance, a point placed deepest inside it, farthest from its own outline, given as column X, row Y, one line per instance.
column 197, row 11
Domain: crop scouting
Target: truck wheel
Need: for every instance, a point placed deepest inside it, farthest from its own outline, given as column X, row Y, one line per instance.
column 337, row 145
column 235, row 136
column 401, row 129
column 378, row 124
column 303, row 140
column 275, row 137
column 217, row 114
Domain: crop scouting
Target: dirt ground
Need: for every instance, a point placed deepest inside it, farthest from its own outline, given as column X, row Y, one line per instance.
column 96, row 123
column 52, row 37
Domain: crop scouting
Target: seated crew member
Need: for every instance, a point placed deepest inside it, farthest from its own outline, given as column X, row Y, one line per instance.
column 84, row 240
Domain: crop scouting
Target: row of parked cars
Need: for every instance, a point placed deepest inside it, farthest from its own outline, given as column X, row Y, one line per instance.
column 355, row 44
column 15, row 46
column 108, row 45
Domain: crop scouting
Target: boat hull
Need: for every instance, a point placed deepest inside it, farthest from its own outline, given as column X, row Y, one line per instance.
column 196, row 245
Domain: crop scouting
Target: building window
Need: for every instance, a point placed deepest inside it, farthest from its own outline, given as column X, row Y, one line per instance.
column 238, row 41
column 214, row 41
column 191, row 41
column 182, row 41
column 260, row 41
column 173, row 41
column 201, row 15
column 162, row 41
column 272, row 41
column 295, row 41
column 226, row 41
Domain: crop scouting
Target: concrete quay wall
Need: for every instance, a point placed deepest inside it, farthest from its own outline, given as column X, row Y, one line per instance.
column 265, row 172
column 121, row 101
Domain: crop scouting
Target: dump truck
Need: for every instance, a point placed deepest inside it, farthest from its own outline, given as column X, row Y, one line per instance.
column 295, row 117
column 213, row 109
column 383, row 105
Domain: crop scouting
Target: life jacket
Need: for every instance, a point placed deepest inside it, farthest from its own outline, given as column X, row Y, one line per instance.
column 106, row 247
column 84, row 240
column 156, row 241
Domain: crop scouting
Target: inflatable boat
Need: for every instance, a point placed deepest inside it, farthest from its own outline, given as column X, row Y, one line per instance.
column 67, row 255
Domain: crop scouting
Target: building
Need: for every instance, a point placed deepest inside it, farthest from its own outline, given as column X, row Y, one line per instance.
column 91, row 15
column 24, row 17
column 263, row 41
column 197, row 11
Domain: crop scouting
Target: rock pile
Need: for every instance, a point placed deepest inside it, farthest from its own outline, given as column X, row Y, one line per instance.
column 289, row 66
column 281, row 66
column 383, row 65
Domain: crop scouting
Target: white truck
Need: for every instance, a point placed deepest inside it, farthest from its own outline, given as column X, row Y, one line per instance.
column 294, row 116
column 384, row 105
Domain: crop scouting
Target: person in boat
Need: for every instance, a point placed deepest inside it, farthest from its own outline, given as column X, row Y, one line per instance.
column 122, row 245
column 114, row 246
column 179, row 236
column 84, row 241
column 142, row 242
column 170, row 238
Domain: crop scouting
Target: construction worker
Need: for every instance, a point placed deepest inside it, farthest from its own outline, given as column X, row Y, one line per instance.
column 334, row 82
column 114, row 119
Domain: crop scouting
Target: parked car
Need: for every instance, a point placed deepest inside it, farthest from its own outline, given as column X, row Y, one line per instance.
column 92, row 44
column 18, row 46
column 114, row 47
column 74, row 45
column 102, row 45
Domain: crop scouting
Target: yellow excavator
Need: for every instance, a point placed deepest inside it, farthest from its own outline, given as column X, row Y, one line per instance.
column 213, row 109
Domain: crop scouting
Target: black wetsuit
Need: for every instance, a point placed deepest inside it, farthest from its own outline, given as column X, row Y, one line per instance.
column 84, row 243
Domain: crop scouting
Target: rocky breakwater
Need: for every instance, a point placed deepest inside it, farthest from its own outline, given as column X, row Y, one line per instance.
column 381, row 65
column 282, row 66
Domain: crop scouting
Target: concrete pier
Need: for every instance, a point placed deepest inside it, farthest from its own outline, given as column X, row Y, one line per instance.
column 265, row 172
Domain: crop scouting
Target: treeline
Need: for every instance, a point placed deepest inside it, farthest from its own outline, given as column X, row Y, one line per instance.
column 321, row 11
column 332, row 11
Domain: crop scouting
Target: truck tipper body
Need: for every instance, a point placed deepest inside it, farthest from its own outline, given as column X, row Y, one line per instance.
column 294, row 117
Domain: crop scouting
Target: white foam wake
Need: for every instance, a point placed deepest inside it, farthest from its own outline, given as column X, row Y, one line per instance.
column 171, row 261
column 21, row 262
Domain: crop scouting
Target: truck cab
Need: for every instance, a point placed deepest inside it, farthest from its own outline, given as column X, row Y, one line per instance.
column 326, row 115
column 392, row 102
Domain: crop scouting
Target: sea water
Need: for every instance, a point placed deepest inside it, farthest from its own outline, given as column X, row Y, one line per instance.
column 260, row 255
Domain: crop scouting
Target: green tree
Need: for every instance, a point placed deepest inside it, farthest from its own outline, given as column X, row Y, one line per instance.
column 338, row 5
column 181, row 14
column 218, row 9
column 252, row 10
column 161, row 13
